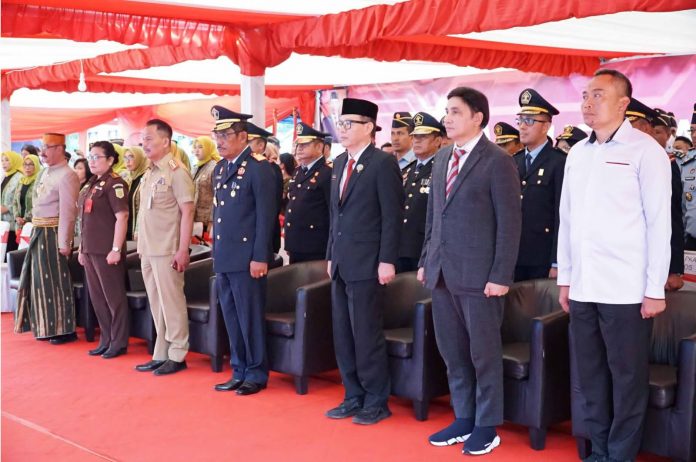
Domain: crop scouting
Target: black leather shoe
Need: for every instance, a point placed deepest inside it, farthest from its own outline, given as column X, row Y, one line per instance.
column 149, row 366
column 170, row 367
column 250, row 388
column 230, row 385
column 344, row 410
column 371, row 415
column 61, row 339
column 114, row 353
column 98, row 351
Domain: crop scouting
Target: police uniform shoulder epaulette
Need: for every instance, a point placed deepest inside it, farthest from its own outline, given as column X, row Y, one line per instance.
column 174, row 164
column 115, row 175
column 258, row 157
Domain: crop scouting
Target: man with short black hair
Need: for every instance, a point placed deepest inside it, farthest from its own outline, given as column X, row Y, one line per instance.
column 471, row 239
column 613, row 260
column 165, row 224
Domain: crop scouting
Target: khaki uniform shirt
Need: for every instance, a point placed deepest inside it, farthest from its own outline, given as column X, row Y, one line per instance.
column 99, row 203
column 55, row 195
column 165, row 185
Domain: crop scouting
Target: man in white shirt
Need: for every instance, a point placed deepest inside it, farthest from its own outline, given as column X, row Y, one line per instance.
column 613, row 259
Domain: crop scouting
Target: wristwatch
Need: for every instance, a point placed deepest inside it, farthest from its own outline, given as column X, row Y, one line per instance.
column 115, row 249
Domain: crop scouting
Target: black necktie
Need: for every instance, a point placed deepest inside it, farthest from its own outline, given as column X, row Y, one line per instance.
column 418, row 167
column 529, row 162
column 304, row 170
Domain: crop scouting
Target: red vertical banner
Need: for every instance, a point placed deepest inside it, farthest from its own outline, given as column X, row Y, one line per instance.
column 275, row 121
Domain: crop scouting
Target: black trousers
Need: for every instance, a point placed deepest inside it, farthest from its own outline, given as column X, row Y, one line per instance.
column 525, row 273
column 690, row 243
column 361, row 350
column 243, row 300
column 406, row 264
column 297, row 257
column 611, row 344
column 467, row 330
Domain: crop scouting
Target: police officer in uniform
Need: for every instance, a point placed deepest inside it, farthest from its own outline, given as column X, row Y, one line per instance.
column 507, row 137
column 427, row 139
column 258, row 139
column 103, row 206
column 244, row 209
column 402, row 125
column 309, row 194
column 541, row 167
column 687, row 165
column 570, row 136
column 165, row 223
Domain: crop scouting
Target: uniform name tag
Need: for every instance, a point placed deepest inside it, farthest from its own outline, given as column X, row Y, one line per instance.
column 88, row 205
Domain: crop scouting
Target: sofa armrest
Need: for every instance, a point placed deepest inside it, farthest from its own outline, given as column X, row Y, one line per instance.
column 313, row 325
column 281, row 288
column 683, row 422
column 196, row 280
column 549, row 368
column 15, row 261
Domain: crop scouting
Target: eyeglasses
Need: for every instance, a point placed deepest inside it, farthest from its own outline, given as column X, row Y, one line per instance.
column 47, row 147
column 128, row 157
column 30, row 164
column 222, row 136
column 528, row 121
column 92, row 157
column 346, row 124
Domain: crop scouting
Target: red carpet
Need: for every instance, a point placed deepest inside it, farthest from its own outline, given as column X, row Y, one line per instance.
column 59, row 404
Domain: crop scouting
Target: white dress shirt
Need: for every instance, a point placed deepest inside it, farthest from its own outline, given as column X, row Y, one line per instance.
column 614, row 235
column 467, row 148
column 356, row 158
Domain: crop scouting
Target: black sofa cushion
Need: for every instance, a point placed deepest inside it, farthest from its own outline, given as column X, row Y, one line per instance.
column 198, row 311
column 281, row 324
column 516, row 360
column 663, row 386
column 137, row 299
column 399, row 342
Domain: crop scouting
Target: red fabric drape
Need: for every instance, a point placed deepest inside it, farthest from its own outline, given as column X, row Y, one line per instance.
column 446, row 17
column 191, row 118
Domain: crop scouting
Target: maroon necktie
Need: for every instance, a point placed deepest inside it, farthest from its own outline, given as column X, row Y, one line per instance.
column 351, row 162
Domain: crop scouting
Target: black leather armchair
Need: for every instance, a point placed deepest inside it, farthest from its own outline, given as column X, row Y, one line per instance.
column 416, row 368
column 141, row 324
column 299, row 334
column 670, row 423
column 536, row 374
column 207, row 333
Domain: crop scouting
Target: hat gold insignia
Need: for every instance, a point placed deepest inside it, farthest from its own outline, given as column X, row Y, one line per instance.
column 418, row 119
column 298, row 130
column 498, row 130
column 215, row 113
column 568, row 130
column 526, row 97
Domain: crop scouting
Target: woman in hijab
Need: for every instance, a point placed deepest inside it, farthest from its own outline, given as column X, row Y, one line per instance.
column 22, row 206
column 120, row 167
column 207, row 155
column 11, row 166
column 136, row 164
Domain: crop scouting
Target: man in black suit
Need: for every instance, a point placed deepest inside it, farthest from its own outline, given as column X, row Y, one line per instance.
column 471, row 238
column 309, row 194
column 540, row 168
column 427, row 137
column 366, row 215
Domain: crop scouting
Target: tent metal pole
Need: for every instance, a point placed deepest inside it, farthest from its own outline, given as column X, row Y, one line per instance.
column 5, row 132
column 253, row 91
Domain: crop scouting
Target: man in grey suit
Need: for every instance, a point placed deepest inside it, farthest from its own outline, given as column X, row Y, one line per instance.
column 472, row 236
